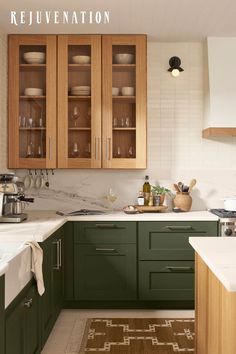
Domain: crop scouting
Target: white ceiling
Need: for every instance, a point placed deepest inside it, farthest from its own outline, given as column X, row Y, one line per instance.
column 163, row 20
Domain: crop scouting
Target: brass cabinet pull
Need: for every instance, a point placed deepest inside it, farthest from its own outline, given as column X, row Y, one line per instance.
column 60, row 253
column 108, row 148
column 50, row 147
column 28, row 304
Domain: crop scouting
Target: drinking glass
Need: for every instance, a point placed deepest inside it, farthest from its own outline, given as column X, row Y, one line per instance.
column 127, row 121
column 115, row 122
column 76, row 115
column 118, row 152
column 87, row 150
column 111, row 198
column 30, row 122
column 131, row 151
column 75, row 151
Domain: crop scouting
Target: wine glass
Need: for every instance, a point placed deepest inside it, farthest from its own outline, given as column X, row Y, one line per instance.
column 75, row 151
column 76, row 115
column 111, row 197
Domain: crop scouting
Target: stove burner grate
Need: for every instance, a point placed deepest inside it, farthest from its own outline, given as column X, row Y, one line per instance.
column 222, row 213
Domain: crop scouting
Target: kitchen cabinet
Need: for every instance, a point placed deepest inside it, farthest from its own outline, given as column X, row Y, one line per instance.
column 22, row 324
column 2, row 315
column 105, row 261
column 124, row 116
column 52, row 299
column 32, row 118
column 76, row 122
column 166, row 260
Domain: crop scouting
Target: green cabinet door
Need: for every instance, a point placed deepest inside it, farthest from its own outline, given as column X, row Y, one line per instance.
column 105, row 272
column 22, row 325
column 169, row 240
column 58, row 262
column 2, row 315
column 166, row 280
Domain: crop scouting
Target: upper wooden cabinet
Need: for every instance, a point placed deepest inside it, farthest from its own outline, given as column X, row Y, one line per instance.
column 95, row 127
column 124, row 115
column 32, row 115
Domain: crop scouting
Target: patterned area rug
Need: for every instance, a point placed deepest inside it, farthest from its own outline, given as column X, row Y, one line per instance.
column 132, row 336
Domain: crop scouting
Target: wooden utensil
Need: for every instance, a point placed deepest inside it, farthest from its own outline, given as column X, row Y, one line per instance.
column 176, row 188
column 180, row 186
column 192, row 184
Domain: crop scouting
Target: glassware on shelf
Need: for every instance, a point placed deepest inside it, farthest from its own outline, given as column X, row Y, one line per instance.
column 115, row 122
column 39, row 151
column 127, row 122
column 30, row 123
column 41, row 121
column 87, row 150
column 122, row 122
column 29, row 152
column 118, row 152
column 22, row 121
column 76, row 115
column 75, row 151
column 131, row 151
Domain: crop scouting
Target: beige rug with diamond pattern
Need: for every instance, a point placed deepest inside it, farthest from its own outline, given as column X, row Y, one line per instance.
column 132, row 336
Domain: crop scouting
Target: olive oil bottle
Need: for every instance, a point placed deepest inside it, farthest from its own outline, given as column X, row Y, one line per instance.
column 146, row 190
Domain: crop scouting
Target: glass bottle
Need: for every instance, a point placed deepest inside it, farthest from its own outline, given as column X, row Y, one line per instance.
column 140, row 199
column 146, row 190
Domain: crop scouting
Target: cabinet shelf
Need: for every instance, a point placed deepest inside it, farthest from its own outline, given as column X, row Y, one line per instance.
column 125, row 129
column 79, row 128
column 123, row 67
column 75, row 67
column 32, row 97
column 81, row 98
column 124, row 98
column 35, row 128
column 32, row 67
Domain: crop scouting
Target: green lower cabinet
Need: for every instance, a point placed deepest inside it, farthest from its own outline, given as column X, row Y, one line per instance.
column 169, row 240
column 22, row 323
column 2, row 314
column 105, row 272
column 166, row 280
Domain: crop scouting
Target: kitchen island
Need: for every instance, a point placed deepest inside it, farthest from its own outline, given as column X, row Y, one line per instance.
column 215, row 294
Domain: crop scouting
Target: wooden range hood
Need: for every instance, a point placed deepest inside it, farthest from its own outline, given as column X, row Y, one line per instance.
column 218, row 132
column 220, row 87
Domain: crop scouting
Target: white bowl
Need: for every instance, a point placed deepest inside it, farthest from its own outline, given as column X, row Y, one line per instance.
column 124, row 58
column 33, row 91
column 82, row 88
column 127, row 91
column 34, row 57
column 115, row 91
column 81, row 59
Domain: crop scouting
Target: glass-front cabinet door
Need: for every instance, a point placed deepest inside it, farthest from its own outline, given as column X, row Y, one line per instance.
column 124, row 101
column 32, row 101
column 79, row 101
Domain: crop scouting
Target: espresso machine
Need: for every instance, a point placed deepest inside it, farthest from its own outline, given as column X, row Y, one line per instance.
column 12, row 199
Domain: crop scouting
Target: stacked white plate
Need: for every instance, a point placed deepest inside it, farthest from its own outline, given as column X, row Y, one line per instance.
column 80, row 90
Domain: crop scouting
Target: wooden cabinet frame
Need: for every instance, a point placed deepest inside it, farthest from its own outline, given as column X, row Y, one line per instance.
column 14, row 159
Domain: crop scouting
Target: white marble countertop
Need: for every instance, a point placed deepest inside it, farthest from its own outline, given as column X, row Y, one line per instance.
column 219, row 254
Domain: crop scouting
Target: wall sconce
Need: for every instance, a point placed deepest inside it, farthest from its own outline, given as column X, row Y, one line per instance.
column 175, row 68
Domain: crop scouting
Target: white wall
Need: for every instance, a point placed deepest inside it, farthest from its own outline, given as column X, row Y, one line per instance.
column 176, row 150
column 3, row 101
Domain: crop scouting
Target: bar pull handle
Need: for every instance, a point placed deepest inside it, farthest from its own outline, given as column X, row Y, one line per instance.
column 179, row 269
column 60, row 253
column 105, row 226
column 50, row 147
column 99, row 148
column 179, row 228
column 57, row 265
column 105, row 249
column 108, row 149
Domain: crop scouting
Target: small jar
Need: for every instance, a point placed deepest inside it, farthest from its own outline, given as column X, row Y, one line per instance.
column 183, row 201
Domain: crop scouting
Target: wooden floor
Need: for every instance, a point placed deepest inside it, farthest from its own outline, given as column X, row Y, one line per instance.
column 61, row 332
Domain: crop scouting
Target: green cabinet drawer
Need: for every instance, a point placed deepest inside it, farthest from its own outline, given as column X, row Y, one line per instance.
column 105, row 272
column 169, row 240
column 105, row 232
column 166, row 280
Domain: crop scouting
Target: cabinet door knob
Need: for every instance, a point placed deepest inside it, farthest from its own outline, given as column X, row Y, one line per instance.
column 28, row 303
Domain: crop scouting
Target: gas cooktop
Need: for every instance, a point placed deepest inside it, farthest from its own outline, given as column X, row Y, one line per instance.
column 222, row 213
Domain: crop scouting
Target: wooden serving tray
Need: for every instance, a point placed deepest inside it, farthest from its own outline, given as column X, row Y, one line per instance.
column 151, row 209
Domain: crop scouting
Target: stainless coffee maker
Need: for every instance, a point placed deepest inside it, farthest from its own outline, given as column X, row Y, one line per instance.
column 12, row 199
